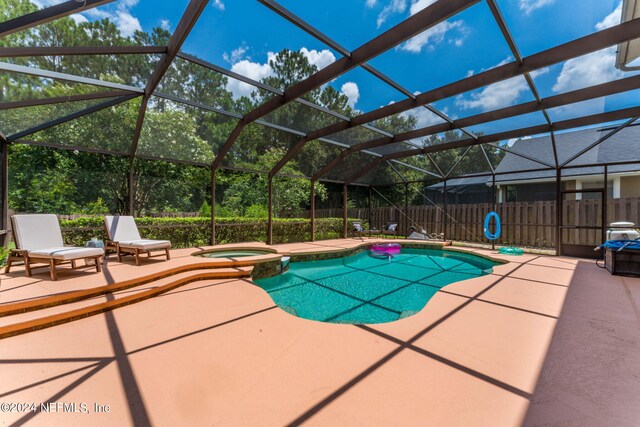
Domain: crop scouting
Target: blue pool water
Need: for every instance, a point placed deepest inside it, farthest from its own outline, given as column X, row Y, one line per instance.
column 366, row 289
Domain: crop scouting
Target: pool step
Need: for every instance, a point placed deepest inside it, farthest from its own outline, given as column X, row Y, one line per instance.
column 19, row 318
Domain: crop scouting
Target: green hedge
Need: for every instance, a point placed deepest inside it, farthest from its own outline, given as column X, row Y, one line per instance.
column 193, row 232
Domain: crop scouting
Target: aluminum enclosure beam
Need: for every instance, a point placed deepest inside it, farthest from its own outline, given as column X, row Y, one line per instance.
column 598, row 142
column 16, row 52
column 20, row 69
column 48, row 14
column 314, row 32
column 516, row 133
column 582, row 46
column 592, row 92
column 187, row 21
column 417, row 23
column 72, row 116
column 260, row 85
column 61, row 99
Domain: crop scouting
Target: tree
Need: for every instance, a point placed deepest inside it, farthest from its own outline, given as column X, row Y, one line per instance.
column 171, row 130
column 290, row 195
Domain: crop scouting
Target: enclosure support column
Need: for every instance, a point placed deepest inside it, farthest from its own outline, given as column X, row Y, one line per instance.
column 130, row 185
column 406, row 208
column 270, row 210
column 344, row 212
column 4, row 153
column 605, row 199
column 558, row 210
column 313, row 210
column 369, row 213
column 213, row 206
column 446, row 218
column 495, row 207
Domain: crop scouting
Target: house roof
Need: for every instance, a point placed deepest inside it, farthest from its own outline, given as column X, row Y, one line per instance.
column 617, row 148
column 614, row 149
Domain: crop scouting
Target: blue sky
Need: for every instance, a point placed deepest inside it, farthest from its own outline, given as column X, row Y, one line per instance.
column 242, row 34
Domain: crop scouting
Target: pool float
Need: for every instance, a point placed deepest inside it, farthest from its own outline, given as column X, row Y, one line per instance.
column 489, row 235
column 507, row 250
column 385, row 249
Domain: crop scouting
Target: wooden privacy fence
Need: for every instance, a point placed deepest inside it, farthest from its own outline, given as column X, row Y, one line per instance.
column 523, row 223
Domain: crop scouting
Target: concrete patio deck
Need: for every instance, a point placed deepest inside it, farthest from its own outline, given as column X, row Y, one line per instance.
column 541, row 341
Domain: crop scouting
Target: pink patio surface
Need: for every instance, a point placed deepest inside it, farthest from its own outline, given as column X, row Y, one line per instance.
column 542, row 341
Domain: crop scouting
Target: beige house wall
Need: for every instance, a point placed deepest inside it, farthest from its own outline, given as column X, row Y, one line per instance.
column 630, row 186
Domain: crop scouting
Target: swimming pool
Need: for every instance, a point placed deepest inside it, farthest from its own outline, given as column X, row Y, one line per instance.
column 367, row 289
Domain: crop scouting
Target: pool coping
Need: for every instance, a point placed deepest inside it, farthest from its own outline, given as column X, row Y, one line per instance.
column 331, row 253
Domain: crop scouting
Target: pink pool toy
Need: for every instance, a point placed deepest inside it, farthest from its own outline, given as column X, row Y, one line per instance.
column 386, row 249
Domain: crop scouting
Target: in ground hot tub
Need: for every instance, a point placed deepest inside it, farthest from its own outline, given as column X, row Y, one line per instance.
column 234, row 253
column 266, row 262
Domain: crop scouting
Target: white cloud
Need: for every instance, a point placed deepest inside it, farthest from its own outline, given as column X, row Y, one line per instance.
column 418, row 5
column 423, row 116
column 594, row 68
column 351, row 91
column 429, row 37
column 127, row 23
column 528, row 6
column 165, row 24
column 128, row 3
column 121, row 16
column 236, row 54
column 318, row 58
column 433, row 36
column 243, row 65
column 41, row 4
column 579, row 109
column 218, row 4
column 252, row 70
column 497, row 95
column 394, row 6
column 79, row 18
column 610, row 20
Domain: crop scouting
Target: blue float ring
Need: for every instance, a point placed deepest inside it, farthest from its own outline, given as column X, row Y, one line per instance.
column 489, row 235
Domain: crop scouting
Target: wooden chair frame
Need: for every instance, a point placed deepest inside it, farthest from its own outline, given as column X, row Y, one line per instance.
column 22, row 256
column 129, row 250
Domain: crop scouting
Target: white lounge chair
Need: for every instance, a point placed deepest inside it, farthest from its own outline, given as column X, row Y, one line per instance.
column 124, row 238
column 39, row 241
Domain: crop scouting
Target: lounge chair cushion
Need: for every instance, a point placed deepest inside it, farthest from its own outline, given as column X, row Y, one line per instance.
column 37, row 231
column 121, row 228
column 417, row 236
column 66, row 253
column 145, row 245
